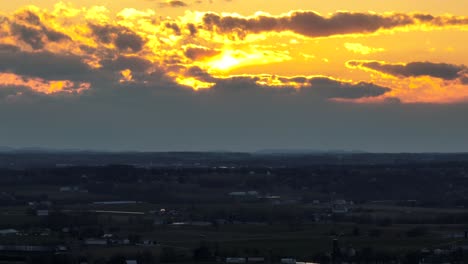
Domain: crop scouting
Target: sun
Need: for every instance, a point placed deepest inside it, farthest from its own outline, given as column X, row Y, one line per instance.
column 224, row 62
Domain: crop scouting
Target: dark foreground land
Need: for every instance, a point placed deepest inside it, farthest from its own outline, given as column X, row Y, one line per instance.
column 83, row 207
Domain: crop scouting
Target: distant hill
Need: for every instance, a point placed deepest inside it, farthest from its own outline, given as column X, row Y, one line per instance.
column 305, row 151
column 4, row 149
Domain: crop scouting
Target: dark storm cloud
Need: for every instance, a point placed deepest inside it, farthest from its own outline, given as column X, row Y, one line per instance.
column 29, row 35
column 8, row 48
column 140, row 121
column 44, row 65
column 9, row 92
column 439, row 70
column 328, row 88
column 123, row 38
column 27, row 27
column 319, row 88
column 311, row 24
column 55, row 36
column 129, row 41
column 125, row 62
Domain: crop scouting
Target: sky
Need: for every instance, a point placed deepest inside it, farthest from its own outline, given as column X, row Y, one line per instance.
column 234, row 75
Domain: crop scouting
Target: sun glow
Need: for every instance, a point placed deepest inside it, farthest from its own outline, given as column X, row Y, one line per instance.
column 194, row 83
column 224, row 62
column 232, row 59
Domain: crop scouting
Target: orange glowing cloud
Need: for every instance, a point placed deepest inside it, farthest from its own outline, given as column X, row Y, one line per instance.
column 42, row 86
column 419, row 81
column 70, row 50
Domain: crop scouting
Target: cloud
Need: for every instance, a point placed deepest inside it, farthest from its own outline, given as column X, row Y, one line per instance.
column 417, row 82
column 238, row 114
column 44, row 65
column 173, row 3
column 9, row 93
column 312, row 24
column 464, row 80
column 28, row 87
column 139, row 51
column 133, row 63
column 192, row 29
column 28, row 28
column 8, row 48
column 28, row 35
column 123, row 38
column 174, row 27
column 308, row 88
column 68, row 72
column 200, row 53
column 438, row 70
column 328, row 88
column 128, row 82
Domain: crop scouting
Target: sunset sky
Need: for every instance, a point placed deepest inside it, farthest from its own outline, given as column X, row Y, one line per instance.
column 150, row 75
